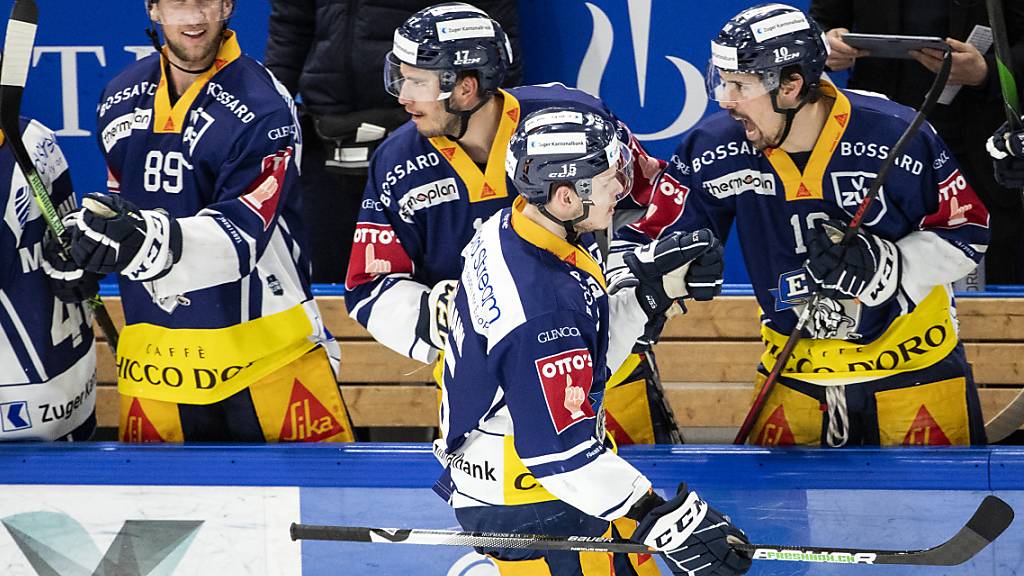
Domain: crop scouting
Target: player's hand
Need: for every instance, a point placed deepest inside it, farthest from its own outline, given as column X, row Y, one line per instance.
column 68, row 281
column 113, row 235
column 661, row 271
column 433, row 324
column 1007, row 150
column 867, row 268
column 841, row 55
column 694, row 537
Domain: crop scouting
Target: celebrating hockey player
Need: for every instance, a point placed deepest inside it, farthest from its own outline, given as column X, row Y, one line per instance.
column 789, row 162
column 534, row 336
column 439, row 176
column 47, row 351
column 223, row 340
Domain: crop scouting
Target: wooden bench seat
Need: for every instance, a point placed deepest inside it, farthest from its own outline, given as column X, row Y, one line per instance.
column 706, row 359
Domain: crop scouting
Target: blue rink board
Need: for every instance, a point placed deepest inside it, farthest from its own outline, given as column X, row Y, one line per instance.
column 897, row 498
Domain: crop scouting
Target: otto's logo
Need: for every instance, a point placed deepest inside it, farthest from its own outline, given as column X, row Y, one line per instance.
column 567, row 378
column 595, row 61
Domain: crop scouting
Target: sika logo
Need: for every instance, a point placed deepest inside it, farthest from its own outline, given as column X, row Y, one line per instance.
column 595, row 62
column 307, row 419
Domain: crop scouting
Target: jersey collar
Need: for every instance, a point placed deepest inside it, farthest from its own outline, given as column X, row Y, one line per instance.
column 491, row 183
column 540, row 237
column 808, row 185
column 169, row 119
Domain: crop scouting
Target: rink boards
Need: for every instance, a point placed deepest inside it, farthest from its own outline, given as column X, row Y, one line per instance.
column 220, row 510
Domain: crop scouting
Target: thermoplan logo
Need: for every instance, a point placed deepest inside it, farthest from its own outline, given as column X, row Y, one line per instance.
column 595, row 61
column 432, row 194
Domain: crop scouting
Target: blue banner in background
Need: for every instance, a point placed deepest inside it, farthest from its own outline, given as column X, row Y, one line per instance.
column 646, row 58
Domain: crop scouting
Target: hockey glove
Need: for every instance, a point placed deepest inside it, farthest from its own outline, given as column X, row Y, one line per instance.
column 433, row 323
column 113, row 235
column 867, row 268
column 677, row 266
column 1007, row 151
column 68, row 281
column 694, row 537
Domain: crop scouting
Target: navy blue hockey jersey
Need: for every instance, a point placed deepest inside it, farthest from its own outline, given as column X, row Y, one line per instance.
column 223, row 160
column 533, row 338
column 424, row 200
column 926, row 207
column 47, row 352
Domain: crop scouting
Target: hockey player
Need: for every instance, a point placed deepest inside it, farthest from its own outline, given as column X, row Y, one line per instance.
column 789, row 162
column 534, row 336
column 47, row 351
column 439, row 176
column 223, row 340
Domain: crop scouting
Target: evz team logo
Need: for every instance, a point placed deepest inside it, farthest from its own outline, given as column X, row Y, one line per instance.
column 567, row 378
column 850, row 189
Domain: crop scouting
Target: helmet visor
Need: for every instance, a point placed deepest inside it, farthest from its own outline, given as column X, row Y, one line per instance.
column 189, row 12
column 408, row 82
column 618, row 179
column 733, row 86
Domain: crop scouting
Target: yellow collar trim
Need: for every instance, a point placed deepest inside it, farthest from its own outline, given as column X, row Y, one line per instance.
column 489, row 185
column 542, row 238
column 170, row 120
column 809, row 185
column 1, row 138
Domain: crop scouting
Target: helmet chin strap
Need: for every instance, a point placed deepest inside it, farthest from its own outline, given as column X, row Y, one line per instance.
column 788, row 113
column 571, row 233
column 463, row 115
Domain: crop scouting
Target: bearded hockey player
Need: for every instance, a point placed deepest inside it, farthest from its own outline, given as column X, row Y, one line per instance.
column 47, row 351
column 223, row 340
column 439, row 176
column 789, row 162
column 534, row 336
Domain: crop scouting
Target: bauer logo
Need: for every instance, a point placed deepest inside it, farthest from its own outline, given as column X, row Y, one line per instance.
column 566, row 378
column 426, row 196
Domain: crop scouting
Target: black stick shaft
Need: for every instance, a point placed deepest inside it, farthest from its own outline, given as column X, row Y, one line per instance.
column 991, row 518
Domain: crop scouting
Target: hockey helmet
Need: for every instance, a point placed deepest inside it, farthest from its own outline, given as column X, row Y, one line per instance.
column 445, row 40
column 559, row 145
column 763, row 40
column 185, row 12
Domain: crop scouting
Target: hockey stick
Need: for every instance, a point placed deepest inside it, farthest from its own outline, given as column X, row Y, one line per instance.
column 21, row 37
column 1011, row 417
column 851, row 230
column 991, row 518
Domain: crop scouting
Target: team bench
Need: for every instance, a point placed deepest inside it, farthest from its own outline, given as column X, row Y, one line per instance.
column 706, row 360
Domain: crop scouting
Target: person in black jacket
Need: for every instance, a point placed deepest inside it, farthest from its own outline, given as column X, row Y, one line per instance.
column 973, row 115
column 330, row 54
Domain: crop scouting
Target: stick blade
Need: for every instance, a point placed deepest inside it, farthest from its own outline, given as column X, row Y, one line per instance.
column 991, row 518
column 21, row 37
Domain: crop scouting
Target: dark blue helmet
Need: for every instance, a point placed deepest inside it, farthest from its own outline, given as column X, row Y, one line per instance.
column 763, row 40
column 448, row 39
column 562, row 145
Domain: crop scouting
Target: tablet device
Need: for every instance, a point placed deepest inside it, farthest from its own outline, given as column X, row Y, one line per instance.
column 890, row 46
